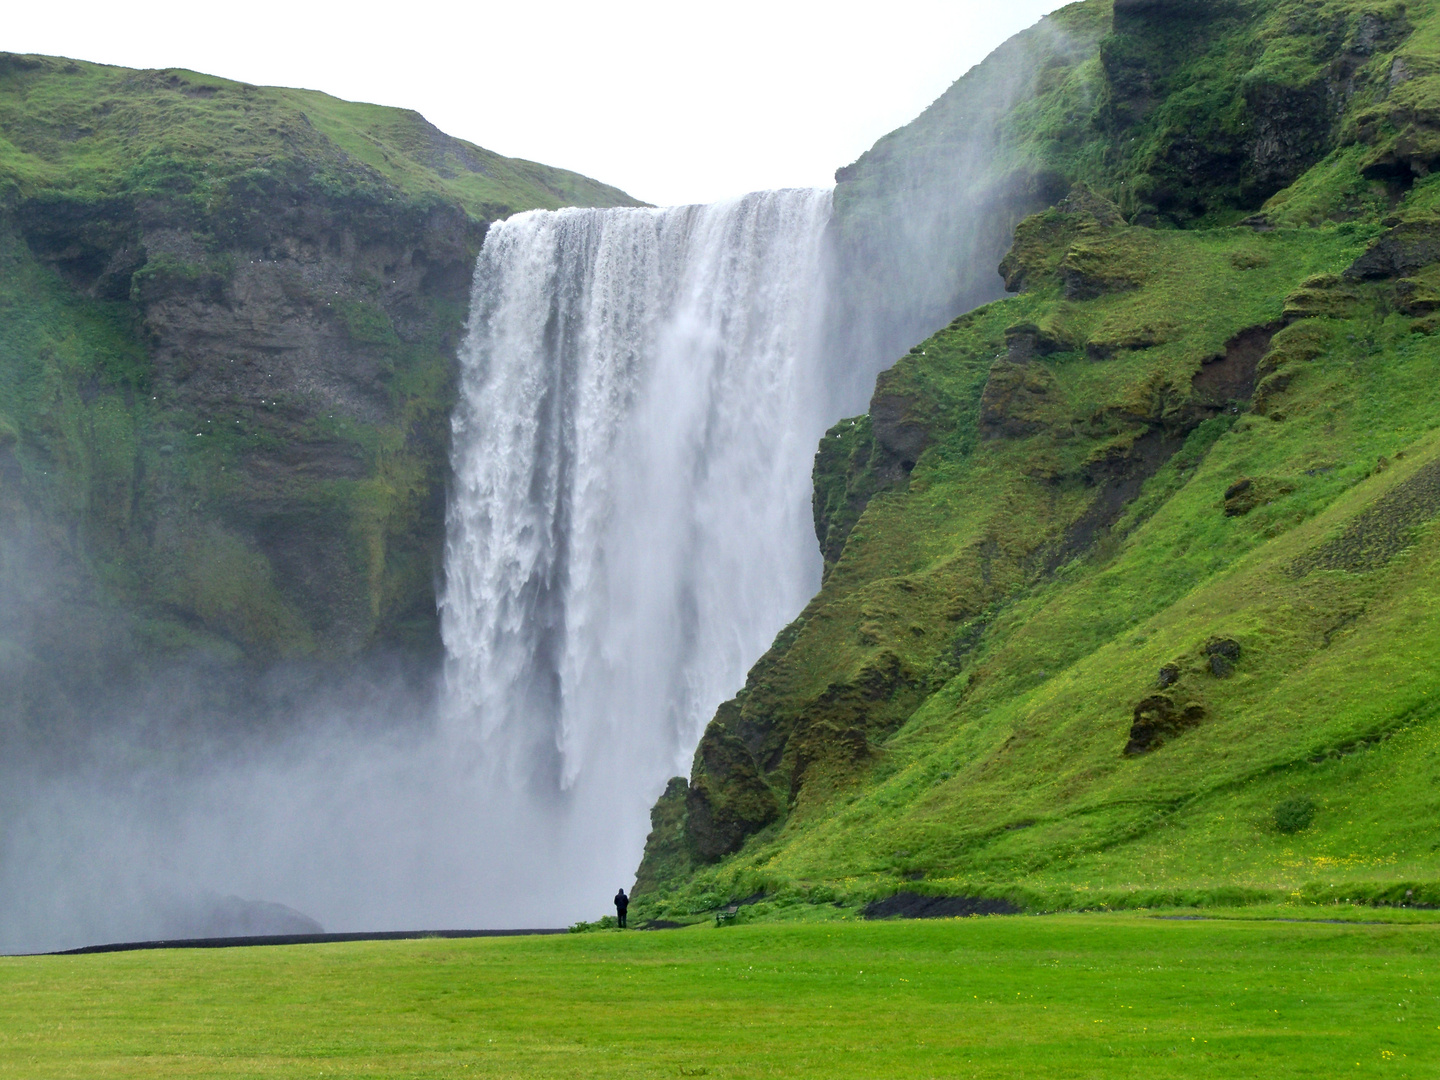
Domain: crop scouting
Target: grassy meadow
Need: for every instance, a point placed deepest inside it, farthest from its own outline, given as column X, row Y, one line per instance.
column 1258, row 993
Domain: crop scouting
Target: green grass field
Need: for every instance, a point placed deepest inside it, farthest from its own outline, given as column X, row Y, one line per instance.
column 1054, row 996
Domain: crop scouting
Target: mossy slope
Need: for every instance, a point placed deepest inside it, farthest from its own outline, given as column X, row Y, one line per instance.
column 72, row 125
column 1125, row 569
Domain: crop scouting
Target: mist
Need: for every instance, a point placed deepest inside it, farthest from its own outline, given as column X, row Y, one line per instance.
column 356, row 830
column 924, row 217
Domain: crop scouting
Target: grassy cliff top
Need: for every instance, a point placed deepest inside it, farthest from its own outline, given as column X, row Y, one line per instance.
column 74, row 126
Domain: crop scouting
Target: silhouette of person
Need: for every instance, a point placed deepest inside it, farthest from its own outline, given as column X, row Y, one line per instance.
column 622, row 905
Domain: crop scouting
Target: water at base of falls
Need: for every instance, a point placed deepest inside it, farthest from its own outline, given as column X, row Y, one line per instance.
column 630, row 523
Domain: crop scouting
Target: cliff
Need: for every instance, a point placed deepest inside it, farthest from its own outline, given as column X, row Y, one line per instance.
column 228, row 321
column 1127, row 596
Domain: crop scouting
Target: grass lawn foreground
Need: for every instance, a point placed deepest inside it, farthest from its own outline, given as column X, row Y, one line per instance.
column 1099, row 995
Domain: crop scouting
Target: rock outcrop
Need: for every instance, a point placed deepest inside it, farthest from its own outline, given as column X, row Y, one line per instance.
column 225, row 379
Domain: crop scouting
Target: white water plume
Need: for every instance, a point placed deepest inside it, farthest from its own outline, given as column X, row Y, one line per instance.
column 630, row 524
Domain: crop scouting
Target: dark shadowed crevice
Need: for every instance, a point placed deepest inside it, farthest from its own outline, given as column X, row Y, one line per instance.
column 909, row 905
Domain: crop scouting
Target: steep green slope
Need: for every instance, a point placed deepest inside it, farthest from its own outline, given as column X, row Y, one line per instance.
column 1129, row 588
column 228, row 324
column 71, row 125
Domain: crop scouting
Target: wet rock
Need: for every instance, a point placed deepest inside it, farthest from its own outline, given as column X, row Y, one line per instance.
column 899, row 432
column 1169, row 676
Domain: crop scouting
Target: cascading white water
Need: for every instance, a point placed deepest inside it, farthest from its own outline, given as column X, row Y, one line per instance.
column 630, row 525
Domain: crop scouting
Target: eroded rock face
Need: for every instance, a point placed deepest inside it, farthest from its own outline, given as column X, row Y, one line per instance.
column 285, row 331
column 899, row 432
column 1289, row 116
column 1222, row 654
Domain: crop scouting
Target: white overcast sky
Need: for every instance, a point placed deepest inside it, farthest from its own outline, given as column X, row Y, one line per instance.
column 673, row 102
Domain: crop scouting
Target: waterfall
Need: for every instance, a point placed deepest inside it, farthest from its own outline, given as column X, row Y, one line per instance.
column 640, row 399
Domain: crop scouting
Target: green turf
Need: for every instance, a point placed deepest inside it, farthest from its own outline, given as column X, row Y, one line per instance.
column 1058, row 996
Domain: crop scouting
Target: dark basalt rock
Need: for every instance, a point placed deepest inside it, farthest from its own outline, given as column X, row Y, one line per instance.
column 860, row 457
column 898, row 431
column 1222, row 655
column 1403, row 250
column 1247, row 493
column 1159, row 718
column 1025, row 341
column 284, row 312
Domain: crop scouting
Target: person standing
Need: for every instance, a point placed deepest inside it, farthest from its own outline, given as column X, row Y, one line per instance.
column 622, row 905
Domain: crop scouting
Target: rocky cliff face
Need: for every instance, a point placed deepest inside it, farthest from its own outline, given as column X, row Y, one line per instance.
column 226, row 381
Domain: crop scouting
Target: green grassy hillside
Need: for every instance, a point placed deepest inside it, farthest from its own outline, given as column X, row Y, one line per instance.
column 1065, row 996
column 1130, row 591
column 68, row 125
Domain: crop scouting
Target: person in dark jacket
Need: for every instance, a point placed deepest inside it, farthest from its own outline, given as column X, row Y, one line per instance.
column 622, row 905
